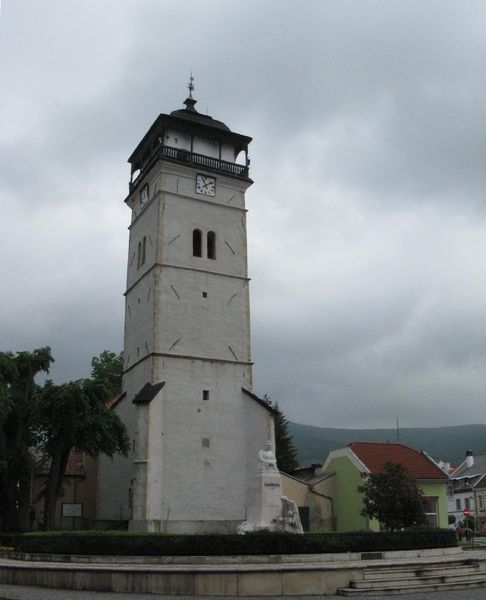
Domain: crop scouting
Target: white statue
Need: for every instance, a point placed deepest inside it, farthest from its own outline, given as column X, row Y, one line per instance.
column 290, row 519
column 267, row 457
column 267, row 508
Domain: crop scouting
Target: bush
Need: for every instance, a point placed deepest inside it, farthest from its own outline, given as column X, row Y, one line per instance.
column 136, row 544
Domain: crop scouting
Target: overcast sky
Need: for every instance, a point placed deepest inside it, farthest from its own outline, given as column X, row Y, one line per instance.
column 367, row 222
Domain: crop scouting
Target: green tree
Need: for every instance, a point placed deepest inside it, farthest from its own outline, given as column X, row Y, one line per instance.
column 392, row 497
column 75, row 415
column 18, row 409
column 285, row 450
column 108, row 369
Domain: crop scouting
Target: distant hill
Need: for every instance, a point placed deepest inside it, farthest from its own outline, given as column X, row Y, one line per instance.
column 441, row 443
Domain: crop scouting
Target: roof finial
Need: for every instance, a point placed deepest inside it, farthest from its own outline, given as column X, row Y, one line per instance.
column 190, row 85
column 189, row 101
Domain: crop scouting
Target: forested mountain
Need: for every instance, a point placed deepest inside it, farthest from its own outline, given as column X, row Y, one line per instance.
column 441, row 443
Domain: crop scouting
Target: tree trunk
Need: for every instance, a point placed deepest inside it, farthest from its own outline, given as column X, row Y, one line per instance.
column 53, row 486
column 11, row 516
column 12, row 451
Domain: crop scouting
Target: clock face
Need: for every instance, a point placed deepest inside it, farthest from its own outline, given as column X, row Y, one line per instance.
column 144, row 195
column 205, row 185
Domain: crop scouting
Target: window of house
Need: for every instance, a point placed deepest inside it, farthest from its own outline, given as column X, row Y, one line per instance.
column 467, row 503
column 139, row 255
column 481, row 502
column 197, row 242
column 211, row 245
column 458, row 504
column 205, row 394
column 430, row 510
column 205, row 443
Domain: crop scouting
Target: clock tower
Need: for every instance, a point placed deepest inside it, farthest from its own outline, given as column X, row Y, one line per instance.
column 196, row 427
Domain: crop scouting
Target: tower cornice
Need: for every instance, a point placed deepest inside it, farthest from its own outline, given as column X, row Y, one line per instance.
column 161, row 265
column 187, row 357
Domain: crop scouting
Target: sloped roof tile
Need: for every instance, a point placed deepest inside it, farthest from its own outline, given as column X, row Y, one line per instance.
column 374, row 455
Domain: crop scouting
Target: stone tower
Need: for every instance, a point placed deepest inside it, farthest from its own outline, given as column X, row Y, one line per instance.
column 195, row 425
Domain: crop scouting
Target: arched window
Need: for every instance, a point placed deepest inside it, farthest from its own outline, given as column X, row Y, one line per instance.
column 211, row 243
column 197, row 242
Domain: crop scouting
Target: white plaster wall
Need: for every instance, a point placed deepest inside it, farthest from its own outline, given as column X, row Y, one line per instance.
column 228, row 153
column 182, row 216
column 201, row 145
column 180, row 180
column 215, row 326
column 152, row 178
column 115, row 474
column 144, row 226
column 140, row 466
column 177, row 139
column 139, row 319
column 206, row 146
column 156, row 458
column 198, row 482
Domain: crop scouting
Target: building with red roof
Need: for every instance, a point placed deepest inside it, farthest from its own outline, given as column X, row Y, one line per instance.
column 351, row 464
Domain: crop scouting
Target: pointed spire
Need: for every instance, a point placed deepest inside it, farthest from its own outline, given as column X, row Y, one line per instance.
column 190, row 85
column 189, row 101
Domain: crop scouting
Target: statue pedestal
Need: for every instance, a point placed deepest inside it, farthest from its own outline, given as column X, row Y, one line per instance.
column 266, row 503
column 268, row 508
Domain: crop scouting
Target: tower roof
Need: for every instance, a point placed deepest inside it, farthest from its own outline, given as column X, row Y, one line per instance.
column 191, row 114
column 188, row 120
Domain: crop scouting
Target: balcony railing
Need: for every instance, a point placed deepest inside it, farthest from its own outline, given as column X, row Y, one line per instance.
column 192, row 158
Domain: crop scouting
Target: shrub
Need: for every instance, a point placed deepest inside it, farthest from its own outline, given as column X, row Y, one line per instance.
column 226, row 545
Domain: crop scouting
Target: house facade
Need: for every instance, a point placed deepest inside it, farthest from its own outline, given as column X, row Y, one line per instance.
column 357, row 460
column 467, row 490
column 314, row 497
column 76, row 503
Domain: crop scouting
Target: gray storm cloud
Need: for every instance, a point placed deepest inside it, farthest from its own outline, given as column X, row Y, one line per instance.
column 367, row 226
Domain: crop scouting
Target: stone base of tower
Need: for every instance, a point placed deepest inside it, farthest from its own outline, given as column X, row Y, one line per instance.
column 184, row 527
column 192, row 462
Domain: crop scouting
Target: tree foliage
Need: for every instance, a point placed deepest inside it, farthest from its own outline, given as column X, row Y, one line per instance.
column 107, row 368
column 55, row 419
column 18, row 410
column 286, row 452
column 392, row 497
column 76, row 415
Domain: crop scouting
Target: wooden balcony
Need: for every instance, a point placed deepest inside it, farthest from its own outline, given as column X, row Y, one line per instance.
column 193, row 159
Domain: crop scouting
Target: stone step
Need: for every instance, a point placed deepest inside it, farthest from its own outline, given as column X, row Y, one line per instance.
column 437, row 570
column 419, row 586
column 412, row 581
column 479, row 541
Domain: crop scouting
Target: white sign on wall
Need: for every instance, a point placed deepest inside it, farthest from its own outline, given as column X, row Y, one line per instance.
column 72, row 510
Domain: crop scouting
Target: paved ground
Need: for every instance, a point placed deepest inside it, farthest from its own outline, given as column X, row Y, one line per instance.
column 14, row 592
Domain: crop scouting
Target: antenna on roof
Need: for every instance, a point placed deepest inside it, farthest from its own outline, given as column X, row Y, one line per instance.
column 190, row 85
column 398, row 432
